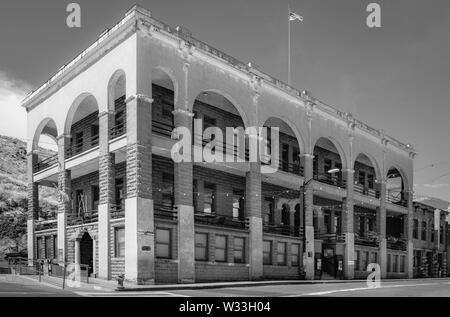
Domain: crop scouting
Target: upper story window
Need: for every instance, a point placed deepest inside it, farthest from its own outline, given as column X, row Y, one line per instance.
column 95, row 197
column 424, row 231
column 120, row 194
column 119, row 235
column 168, row 191
column 416, row 229
column 209, row 205
column 238, row 204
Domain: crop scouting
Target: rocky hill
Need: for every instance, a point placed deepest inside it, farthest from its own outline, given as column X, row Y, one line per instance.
column 13, row 190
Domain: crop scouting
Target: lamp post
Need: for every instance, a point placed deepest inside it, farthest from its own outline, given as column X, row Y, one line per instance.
column 303, row 191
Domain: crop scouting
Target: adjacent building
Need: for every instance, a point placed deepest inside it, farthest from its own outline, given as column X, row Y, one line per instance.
column 341, row 199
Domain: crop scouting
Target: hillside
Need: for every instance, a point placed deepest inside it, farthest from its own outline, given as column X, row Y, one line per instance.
column 13, row 189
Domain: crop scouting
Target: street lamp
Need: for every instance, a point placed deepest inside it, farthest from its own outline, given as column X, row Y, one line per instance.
column 303, row 191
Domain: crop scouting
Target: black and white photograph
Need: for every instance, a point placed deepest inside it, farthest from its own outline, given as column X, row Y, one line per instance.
column 224, row 155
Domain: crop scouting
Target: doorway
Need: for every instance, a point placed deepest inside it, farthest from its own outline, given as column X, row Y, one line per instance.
column 86, row 253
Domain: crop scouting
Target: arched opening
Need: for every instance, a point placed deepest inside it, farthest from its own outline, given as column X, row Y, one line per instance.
column 45, row 146
column 396, row 222
column 365, row 176
column 163, row 94
column 116, row 104
column 86, row 253
column 327, row 164
column 289, row 146
column 395, row 187
column 82, row 125
column 218, row 116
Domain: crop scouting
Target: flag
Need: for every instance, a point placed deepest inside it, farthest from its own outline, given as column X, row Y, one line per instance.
column 294, row 16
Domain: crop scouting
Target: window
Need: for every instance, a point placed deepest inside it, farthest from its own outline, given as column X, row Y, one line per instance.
column 395, row 264
column 432, row 231
column 79, row 142
column 163, row 243
column 268, row 208
column 119, row 119
column 374, row 257
column 371, row 181
column 295, row 254
column 328, row 165
column 285, row 158
column 120, row 202
column 358, row 260
column 285, row 215
column 296, row 159
column 167, row 111
column 95, row 131
column 195, row 195
column 95, row 197
column 402, row 264
column 417, row 258
column 80, row 203
column 281, row 253
column 167, row 191
column 364, row 258
column 209, row 199
column 221, row 248
column 239, row 250
column 119, row 237
column 238, row 204
column 441, row 235
column 48, row 247
column 201, row 247
column 267, row 253
column 424, row 230
column 389, row 263
column 55, row 247
column 362, row 178
column 416, row 229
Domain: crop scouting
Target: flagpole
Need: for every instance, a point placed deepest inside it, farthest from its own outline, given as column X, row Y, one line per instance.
column 289, row 46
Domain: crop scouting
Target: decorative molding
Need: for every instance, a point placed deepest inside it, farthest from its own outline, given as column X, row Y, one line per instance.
column 183, row 112
column 140, row 97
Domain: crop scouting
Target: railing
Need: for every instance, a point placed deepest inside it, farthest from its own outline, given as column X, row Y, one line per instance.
column 81, row 147
column 368, row 240
column 330, row 180
column 84, row 218
column 284, row 230
column 44, row 164
column 117, row 212
column 46, row 225
column 165, row 212
column 365, row 191
column 162, row 128
column 329, row 237
column 394, row 243
column 118, row 130
column 220, row 221
column 396, row 199
column 293, row 168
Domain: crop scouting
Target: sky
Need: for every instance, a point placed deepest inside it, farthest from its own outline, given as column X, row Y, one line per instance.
column 395, row 78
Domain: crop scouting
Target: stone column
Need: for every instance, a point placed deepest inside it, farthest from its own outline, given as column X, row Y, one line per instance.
column 64, row 206
column 184, row 180
column 347, row 226
column 139, row 215
column 77, row 259
column 381, row 226
column 309, row 216
column 409, row 235
column 33, row 207
column 253, row 208
column 107, row 191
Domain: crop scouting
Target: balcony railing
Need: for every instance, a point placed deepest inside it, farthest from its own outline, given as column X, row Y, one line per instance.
column 44, row 164
column 361, row 189
column 165, row 212
column 162, row 128
column 46, row 225
column 329, row 237
column 396, row 199
column 284, row 230
column 293, row 168
column 82, row 218
column 118, row 130
column 221, row 221
column 394, row 243
column 80, row 147
column 329, row 179
column 224, row 148
column 117, row 212
column 367, row 239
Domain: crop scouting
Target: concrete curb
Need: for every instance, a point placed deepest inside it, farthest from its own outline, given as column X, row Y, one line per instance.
column 176, row 287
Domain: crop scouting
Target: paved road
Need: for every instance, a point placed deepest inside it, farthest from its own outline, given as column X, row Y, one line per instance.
column 419, row 288
column 17, row 286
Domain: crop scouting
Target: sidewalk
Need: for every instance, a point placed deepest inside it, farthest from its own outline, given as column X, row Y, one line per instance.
column 111, row 286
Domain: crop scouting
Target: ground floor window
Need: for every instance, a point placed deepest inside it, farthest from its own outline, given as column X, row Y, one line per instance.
column 389, row 263
column 402, row 264
column 281, row 253
column 395, row 264
column 267, row 253
column 239, row 250
column 221, row 248
column 201, row 247
column 163, row 243
column 119, row 237
column 295, row 254
column 417, row 258
column 358, row 260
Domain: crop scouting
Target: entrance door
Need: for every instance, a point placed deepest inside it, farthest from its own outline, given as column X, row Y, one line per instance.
column 86, row 252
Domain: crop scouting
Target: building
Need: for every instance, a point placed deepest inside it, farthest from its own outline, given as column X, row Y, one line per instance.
column 341, row 199
column 430, row 238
